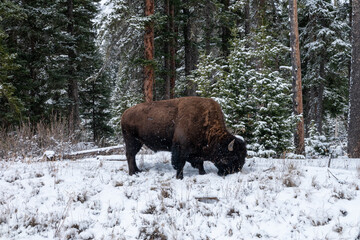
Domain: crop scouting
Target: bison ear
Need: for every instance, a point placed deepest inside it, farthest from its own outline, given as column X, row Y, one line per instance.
column 231, row 145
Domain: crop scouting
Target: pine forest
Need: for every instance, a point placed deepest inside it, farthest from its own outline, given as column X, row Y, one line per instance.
column 285, row 72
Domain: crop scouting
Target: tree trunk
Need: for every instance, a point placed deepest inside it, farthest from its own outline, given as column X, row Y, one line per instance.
column 149, row 52
column 73, row 92
column 354, row 91
column 167, row 50
column 247, row 17
column 226, row 33
column 296, row 74
column 189, row 50
column 320, row 97
column 172, row 49
column 350, row 37
column 209, row 26
column 261, row 13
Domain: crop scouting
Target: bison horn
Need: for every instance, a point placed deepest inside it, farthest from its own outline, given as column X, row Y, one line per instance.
column 231, row 145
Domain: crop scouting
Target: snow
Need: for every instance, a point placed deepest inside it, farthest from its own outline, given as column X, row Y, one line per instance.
column 49, row 154
column 94, row 198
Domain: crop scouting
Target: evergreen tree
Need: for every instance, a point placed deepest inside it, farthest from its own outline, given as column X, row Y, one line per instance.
column 29, row 38
column 94, row 83
column 325, row 53
column 95, row 96
column 54, row 45
column 10, row 104
column 121, row 35
column 255, row 97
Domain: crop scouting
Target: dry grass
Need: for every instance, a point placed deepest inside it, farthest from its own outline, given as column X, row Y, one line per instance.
column 291, row 175
column 31, row 140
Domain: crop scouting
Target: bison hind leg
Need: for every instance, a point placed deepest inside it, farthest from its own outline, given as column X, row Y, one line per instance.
column 177, row 161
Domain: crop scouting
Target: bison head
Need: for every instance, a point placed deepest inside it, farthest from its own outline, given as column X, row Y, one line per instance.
column 232, row 156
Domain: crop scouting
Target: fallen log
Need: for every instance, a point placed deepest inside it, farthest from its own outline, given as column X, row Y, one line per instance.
column 207, row 199
column 115, row 150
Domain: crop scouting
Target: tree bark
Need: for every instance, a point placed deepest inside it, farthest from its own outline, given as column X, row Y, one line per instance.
column 226, row 33
column 149, row 52
column 261, row 13
column 167, row 50
column 247, row 17
column 354, row 91
column 350, row 38
column 172, row 49
column 209, row 26
column 296, row 74
column 190, row 51
column 320, row 96
column 73, row 92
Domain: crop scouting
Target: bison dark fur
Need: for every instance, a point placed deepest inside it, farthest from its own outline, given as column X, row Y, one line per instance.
column 192, row 128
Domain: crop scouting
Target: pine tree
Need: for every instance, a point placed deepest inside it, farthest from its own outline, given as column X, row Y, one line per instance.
column 94, row 82
column 255, row 99
column 29, row 38
column 121, row 34
column 95, row 97
column 10, row 104
column 326, row 50
column 54, row 45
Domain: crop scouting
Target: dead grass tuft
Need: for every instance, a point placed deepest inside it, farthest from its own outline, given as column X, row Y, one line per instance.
column 165, row 193
column 151, row 234
column 233, row 213
column 291, row 175
column 150, row 210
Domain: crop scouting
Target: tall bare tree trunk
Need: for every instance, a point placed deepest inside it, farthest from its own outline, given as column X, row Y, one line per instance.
column 167, row 50
column 225, row 30
column 247, row 17
column 73, row 91
column 296, row 72
column 354, row 95
column 190, row 50
column 172, row 49
column 209, row 25
column 320, row 95
column 149, row 52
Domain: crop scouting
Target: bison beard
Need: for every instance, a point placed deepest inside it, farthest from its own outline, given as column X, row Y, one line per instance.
column 192, row 128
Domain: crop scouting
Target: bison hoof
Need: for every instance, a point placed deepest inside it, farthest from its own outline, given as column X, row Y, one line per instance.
column 179, row 175
column 134, row 172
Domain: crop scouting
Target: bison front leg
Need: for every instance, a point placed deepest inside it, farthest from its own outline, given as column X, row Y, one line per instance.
column 178, row 160
column 133, row 146
column 199, row 165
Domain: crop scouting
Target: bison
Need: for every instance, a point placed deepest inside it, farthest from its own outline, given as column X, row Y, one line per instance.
column 192, row 128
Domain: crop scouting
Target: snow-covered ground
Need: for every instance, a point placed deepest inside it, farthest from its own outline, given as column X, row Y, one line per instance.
column 95, row 198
